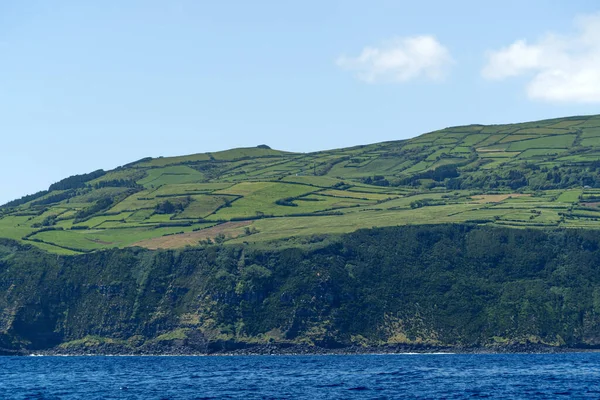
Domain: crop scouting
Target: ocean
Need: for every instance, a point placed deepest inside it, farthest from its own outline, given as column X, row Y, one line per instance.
column 423, row 376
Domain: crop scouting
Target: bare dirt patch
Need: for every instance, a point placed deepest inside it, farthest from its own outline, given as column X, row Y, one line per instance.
column 496, row 198
column 230, row 229
column 595, row 204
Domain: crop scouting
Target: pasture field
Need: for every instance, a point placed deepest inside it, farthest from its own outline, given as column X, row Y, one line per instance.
column 319, row 181
column 203, row 206
column 474, row 139
column 569, row 196
column 261, row 197
column 496, row 198
column 501, row 154
column 536, row 174
column 592, row 133
column 494, row 164
column 169, row 175
column 461, row 150
column 541, row 131
column 94, row 239
column 490, row 140
column 517, row 138
column 532, row 153
column 246, row 188
column 164, row 161
column 184, row 189
column 119, row 174
column 420, row 166
column 136, row 201
column 315, row 203
column 548, row 142
column 591, row 141
column 355, row 195
column 236, row 154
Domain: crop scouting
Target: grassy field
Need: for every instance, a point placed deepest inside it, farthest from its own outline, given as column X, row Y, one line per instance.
column 203, row 206
column 536, row 174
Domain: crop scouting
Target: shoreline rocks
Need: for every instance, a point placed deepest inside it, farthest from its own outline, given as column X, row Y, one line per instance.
column 295, row 349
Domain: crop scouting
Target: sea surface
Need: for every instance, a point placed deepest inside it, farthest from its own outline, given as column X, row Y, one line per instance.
column 428, row 376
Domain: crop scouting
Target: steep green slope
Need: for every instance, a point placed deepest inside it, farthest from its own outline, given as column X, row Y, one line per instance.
column 542, row 174
column 264, row 246
column 452, row 285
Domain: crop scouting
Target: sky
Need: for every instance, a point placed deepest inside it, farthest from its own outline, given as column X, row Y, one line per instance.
column 86, row 85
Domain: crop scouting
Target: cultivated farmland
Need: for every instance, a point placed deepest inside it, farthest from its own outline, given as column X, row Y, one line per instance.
column 537, row 174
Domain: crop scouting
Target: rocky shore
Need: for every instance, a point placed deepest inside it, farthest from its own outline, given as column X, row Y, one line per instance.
column 291, row 349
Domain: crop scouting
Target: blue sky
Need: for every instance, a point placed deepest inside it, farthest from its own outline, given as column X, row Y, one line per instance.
column 88, row 85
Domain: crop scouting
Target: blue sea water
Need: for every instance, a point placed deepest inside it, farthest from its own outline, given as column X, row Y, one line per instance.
column 432, row 376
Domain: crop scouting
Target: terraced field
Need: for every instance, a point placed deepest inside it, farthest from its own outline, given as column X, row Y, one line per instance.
column 538, row 174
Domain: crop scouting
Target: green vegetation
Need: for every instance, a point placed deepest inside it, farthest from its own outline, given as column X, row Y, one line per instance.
column 436, row 177
column 446, row 285
column 466, row 236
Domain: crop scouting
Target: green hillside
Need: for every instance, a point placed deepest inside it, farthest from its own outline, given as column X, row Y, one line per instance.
column 411, row 288
column 537, row 174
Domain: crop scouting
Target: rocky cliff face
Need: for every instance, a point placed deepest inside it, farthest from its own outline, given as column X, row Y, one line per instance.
column 430, row 285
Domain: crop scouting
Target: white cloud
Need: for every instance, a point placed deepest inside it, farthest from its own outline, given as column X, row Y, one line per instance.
column 400, row 60
column 562, row 68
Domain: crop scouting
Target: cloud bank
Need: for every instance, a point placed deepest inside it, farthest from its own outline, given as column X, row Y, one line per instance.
column 400, row 60
column 562, row 68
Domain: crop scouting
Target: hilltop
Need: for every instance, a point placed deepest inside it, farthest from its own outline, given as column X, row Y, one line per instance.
column 536, row 174
column 259, row 250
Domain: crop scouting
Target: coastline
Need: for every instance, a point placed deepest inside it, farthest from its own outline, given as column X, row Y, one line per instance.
column 302, row 350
